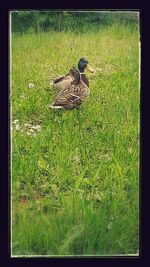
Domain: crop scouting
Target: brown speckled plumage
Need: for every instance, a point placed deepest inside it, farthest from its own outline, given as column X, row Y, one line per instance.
column 73, row 95
column 63, row 81
column 74, row 87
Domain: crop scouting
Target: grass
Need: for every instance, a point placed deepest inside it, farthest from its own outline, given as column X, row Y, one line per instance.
column 75, row 182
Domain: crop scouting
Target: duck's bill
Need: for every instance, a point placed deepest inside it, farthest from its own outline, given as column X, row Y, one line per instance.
column 88, row 67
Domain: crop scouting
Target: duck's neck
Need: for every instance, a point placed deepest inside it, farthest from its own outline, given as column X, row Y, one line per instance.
column 83, row 77
column 80, row 71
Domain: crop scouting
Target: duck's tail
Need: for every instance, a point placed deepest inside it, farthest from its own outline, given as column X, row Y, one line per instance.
column 55, row 107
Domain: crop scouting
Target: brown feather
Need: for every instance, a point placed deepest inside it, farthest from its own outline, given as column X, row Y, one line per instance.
column 73, row 95
column 72, row 76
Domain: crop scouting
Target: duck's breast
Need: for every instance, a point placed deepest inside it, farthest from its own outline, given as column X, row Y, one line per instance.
column 85, row 79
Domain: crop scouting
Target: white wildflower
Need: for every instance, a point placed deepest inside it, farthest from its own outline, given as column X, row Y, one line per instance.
column 31, row 85
column 17, row 127
column 15, row 121
column 31, row 131
column 28, row 125
column 36, row 127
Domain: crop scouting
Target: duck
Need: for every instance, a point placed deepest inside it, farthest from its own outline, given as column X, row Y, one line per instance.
column 64, row 81
column 74, row 94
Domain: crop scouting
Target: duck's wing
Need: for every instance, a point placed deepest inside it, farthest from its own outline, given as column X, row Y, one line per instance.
column 63, row 82
column 60, row 79
column 72, row 96
column 69, row 76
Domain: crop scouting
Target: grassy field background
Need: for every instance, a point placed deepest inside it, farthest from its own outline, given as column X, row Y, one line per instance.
column 75, row 174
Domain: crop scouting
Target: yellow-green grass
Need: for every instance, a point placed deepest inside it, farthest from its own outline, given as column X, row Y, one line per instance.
column 75, row 184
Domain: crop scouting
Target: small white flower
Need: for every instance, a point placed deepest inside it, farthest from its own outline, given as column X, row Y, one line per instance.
column 31, row 131
column 15, row 121
column 17, row 127
column 28, row 125
column 36, row 127
column 31, row 85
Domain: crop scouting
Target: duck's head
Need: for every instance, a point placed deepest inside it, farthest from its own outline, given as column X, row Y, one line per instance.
column 84, row 64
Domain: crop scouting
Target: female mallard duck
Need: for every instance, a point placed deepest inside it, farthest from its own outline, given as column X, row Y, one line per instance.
column 73, row 95
column 64, row 81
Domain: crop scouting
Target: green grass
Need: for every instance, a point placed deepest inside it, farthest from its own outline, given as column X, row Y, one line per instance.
column 75, row 184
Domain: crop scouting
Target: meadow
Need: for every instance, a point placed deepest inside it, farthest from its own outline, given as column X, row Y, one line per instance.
column 75, row 174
